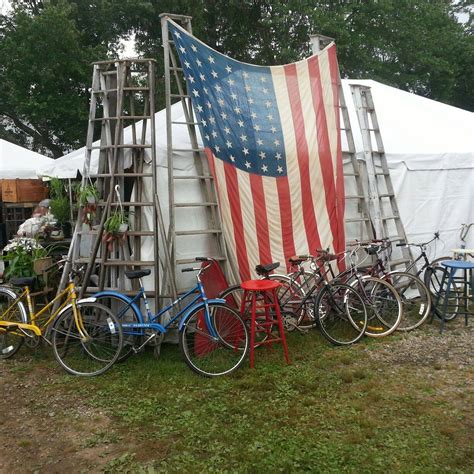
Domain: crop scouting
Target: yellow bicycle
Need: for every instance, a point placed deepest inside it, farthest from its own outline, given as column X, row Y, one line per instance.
column 86, row 336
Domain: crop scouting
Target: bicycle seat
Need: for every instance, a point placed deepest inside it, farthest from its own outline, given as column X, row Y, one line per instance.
column 25, row 281
column 298, row 260
column 132, row 274
column 266, row 269
column 326, row 256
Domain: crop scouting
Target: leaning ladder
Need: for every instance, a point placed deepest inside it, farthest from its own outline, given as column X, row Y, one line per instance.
column 208, row 194
column 122, row 95
column 383, row 208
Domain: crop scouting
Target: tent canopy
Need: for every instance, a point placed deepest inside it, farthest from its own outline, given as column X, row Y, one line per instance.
column 18, row 162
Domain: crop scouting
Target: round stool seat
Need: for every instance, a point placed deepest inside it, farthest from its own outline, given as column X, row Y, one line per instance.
column 460, row 264
column 259, row 285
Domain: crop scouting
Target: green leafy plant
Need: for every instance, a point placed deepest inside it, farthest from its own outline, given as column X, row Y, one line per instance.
column 88, row 194
column 20, row 254
column 61, row 209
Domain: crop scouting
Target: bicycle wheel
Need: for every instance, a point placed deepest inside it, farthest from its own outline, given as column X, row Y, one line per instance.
column 213, row 356
column 433, row 278
column 123, row 310
column 384, row 306
column 91, row 350
column 342, row 315
column 415, row 296
column 10, row 341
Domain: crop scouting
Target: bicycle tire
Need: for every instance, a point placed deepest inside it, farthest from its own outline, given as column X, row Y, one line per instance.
column 11, row 341
column 342, row 315
column 125, row 313
column 214, row 356
column 384, row 306
column 433, row 278
column 102, row 348
column 415, row 297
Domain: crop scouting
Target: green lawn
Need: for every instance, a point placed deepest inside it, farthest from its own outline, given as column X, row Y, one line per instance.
column 334, row 409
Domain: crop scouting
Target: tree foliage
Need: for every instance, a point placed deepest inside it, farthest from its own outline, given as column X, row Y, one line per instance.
column 47, row 45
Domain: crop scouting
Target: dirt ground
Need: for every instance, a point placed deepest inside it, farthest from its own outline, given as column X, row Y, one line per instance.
column 59, row 432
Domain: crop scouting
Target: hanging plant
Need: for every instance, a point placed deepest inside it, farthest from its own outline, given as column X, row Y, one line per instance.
column 88, row 198
column 116, row 225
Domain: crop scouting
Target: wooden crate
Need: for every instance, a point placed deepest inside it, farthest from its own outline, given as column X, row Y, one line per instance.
column 23, row 190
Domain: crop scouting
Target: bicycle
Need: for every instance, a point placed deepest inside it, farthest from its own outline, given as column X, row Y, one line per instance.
column 342, row 315
column 86, row 337
column 213, row 339
column 415, row 296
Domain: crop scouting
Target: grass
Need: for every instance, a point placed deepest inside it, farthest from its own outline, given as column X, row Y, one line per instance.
column 334, row 409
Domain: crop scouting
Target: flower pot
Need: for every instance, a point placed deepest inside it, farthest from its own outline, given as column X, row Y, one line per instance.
column 91, row 199
column 123, row 228
column 66, row 227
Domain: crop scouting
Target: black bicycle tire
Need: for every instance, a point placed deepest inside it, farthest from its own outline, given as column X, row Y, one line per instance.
column 190, row 327
column 425, row 301
column 111, row 325
column 12, row 350
column 356, row 326
column 377, row 332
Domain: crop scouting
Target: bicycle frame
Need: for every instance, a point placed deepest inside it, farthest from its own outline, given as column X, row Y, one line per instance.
column 153, row 318
column 38, row 329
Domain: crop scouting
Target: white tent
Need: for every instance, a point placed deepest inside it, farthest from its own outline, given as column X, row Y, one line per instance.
column 18, row 162
column 428, row 145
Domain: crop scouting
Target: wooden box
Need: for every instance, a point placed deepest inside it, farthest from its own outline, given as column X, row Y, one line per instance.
column 23, row 190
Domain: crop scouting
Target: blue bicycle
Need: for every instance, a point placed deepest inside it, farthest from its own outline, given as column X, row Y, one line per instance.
column 213, row 338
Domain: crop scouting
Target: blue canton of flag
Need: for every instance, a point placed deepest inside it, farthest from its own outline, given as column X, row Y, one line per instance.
column 235, row 105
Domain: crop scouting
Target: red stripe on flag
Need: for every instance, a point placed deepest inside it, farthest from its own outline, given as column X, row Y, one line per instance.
column 261, row 222
column 340, row 195
column 233, row 193
column 286, row 219
column 324, row 148
column 309, row 217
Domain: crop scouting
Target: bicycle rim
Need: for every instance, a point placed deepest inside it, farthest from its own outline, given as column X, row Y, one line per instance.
column 214, row 356
column 415, row 297
column 98, row 350
column 342, row 316
column 384, row 307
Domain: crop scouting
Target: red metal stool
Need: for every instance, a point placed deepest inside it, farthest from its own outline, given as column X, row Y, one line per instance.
column 263, row 290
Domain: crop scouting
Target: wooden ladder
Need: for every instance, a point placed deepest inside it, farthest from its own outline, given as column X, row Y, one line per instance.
column 177, row 208
column 122, row 95
column 382, row 204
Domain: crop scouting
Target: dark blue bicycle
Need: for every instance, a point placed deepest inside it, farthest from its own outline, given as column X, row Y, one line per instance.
column 213, row 338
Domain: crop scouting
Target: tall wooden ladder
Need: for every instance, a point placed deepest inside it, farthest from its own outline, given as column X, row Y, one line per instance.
column 122, row 103
column 357, row 220
column 179, row 235
column 382, row 204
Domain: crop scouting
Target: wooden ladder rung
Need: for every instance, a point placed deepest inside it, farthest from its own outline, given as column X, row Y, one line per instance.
column 194, row 204
column 198, row 232
column 200, row 176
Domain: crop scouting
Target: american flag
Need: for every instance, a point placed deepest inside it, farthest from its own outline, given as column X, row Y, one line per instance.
column 272, row 139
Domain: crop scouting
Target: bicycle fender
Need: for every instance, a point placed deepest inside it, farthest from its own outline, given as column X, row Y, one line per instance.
column 83, row 300
column 202, row 304
column 125, row 299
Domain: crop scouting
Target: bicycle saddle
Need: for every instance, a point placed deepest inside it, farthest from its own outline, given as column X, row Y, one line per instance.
column 266, row 269
column 25, row 281
column 298, row 260
column 326, row 256
column 131, row 274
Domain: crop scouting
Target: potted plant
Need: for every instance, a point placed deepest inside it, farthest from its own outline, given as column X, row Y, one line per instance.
column 20, row 255
column 61, row 210
column 116, row 227
column 88, row 197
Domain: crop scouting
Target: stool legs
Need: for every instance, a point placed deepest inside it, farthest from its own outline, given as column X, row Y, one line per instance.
column 250, row 299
